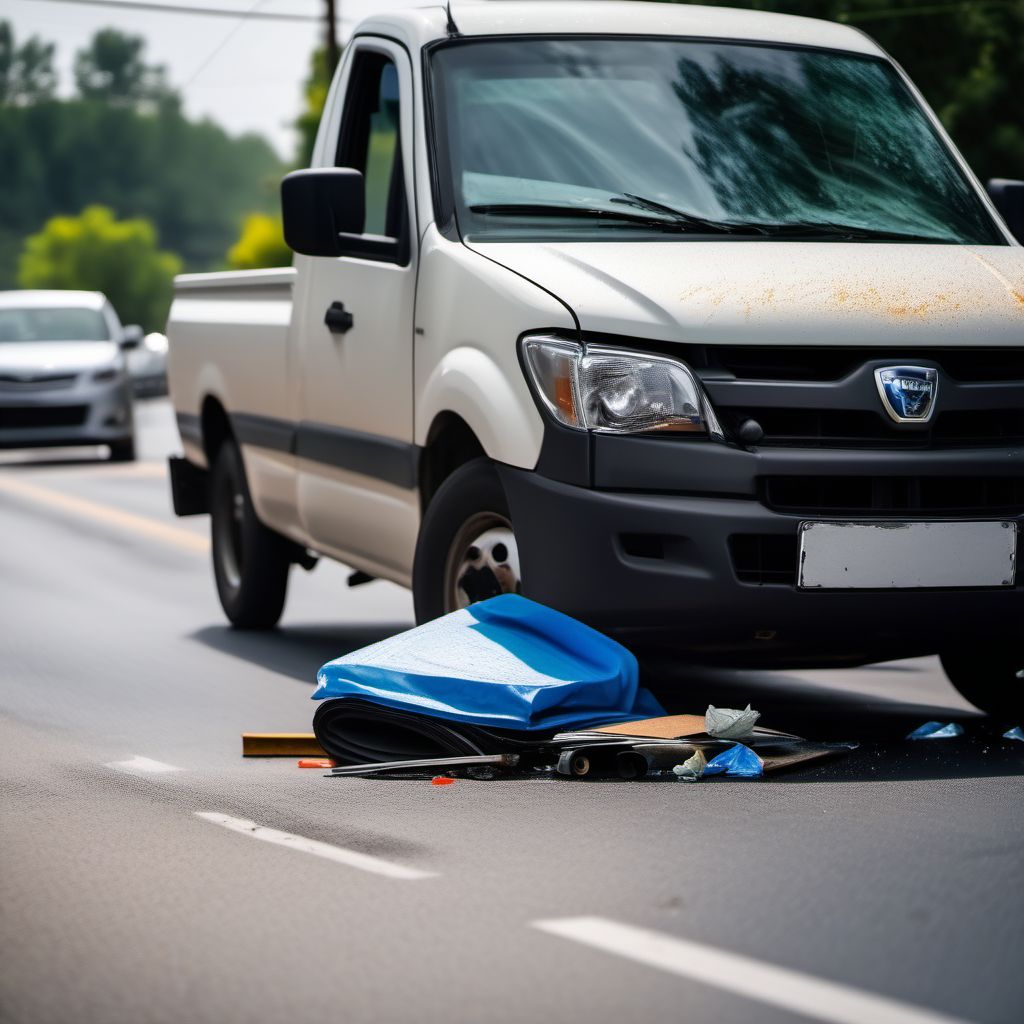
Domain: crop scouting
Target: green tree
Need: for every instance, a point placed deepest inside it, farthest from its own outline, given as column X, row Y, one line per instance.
column 95, row 251
column 111, row 69
column 261, row 244
column 314, row 98
column 129, row 147
column 26, row 71
column 966, row 56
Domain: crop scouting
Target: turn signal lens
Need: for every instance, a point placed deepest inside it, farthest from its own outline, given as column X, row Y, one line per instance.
column 609, row 390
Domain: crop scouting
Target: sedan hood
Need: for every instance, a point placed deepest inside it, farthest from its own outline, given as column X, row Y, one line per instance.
column 782, row 293
column 30, row 357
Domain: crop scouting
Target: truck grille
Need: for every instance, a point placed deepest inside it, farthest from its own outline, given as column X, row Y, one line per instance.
column 882, row 495
column 16, row 417
column 757, row 362
column 852, row 428
column 828, row 398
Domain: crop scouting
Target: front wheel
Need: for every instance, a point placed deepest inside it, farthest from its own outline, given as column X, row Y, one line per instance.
column 467, row 549
column 250, row 562
column 992, row 680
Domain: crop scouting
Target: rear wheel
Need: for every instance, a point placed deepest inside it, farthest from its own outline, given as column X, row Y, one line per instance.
column 250, row 562
column 467, row 549
column 992, row 680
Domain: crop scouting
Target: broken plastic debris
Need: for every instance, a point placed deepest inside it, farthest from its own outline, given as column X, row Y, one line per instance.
column 1016, row 733
column 738, row 762
column 442, row 780
column 728, row 723
column 692, row 768
column 316, row 762
column 937, row 731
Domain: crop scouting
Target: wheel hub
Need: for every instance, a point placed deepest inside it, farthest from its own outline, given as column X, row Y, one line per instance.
column 483, row 561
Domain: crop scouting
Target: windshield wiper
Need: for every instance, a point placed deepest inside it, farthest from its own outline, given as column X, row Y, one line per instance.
column 676, row 222
column 843, row 232
column 689, row 220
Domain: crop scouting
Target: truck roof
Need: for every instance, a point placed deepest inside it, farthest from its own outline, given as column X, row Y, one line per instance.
column 51, row 299
column 419, row 26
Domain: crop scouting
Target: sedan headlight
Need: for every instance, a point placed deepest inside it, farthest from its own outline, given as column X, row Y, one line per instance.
column 105, row 375
column 610, row 390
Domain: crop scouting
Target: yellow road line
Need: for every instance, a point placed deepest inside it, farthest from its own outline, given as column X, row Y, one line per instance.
column 106, row 514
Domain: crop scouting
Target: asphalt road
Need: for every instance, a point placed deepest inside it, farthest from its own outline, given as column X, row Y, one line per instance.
column 888, row 886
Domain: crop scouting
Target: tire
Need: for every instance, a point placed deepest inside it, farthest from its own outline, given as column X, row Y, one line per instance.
column 990, row 680
column 466, row 550
column 123, row 451
column 250, row 562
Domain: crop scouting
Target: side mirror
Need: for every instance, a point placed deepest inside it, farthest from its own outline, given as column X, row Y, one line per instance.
column 131, row 336
column 1008, row 197
column 320, row 204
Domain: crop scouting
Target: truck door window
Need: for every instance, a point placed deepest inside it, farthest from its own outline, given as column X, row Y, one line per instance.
column 370, row 142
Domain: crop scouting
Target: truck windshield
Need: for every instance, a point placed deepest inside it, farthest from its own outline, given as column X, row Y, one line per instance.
column 62, row 324
column 603, row 138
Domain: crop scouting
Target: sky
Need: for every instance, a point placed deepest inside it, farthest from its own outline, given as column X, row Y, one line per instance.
column 245, row 74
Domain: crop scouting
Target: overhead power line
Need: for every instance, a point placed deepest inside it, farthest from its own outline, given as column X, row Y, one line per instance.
column 170, row 8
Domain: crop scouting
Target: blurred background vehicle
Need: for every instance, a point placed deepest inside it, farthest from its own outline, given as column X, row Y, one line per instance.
column 63, row 374
column 147, row 366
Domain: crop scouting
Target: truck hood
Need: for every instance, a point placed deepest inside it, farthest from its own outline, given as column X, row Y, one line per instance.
column 54, row 356
column 782, row 293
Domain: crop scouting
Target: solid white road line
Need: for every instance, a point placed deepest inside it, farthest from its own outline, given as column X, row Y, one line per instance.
column 363, row 861
column 142, row 764
column 753, row 979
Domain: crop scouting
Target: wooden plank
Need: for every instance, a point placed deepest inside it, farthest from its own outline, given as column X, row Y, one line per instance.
column 281, row 744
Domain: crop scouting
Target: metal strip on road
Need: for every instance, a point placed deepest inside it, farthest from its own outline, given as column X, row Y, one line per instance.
column 753, row 979
column 351, row 858
column 106, row 514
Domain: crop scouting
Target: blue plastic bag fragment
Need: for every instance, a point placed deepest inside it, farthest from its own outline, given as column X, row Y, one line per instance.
column 1016, row 733
column 504, row 663
column 937, row 731
column 738, row 762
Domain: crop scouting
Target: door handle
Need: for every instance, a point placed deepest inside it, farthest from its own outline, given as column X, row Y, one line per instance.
column 338, row 319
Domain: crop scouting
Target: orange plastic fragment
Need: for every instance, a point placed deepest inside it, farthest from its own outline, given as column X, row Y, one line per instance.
column 441, row 780
column 315, row 762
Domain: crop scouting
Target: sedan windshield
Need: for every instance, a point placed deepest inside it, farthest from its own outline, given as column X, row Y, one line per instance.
column 585, row 138
column 61, row 324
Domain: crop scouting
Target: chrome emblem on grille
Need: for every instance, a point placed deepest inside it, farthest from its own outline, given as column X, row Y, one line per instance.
column 908, row 392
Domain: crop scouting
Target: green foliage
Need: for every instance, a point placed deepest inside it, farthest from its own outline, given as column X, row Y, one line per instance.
column 94, row 251
column 966, row 57
column 136, row 154
column 314, row 98
column 261, row 244
column 26, row 71
column 111, row 69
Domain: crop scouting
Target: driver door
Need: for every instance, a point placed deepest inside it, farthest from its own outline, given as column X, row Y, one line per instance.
column 357, row 463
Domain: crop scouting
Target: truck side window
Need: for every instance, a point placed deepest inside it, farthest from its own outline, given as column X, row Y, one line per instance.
column 370, row 142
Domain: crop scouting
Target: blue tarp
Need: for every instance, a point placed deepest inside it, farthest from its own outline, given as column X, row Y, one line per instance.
column 505, row 663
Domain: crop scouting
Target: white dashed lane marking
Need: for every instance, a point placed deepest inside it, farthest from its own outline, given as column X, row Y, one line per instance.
column 143, row 766
column 761, row 982
column 350, row 858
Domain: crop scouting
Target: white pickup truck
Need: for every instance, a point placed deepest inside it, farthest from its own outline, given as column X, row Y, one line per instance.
column 689, row 322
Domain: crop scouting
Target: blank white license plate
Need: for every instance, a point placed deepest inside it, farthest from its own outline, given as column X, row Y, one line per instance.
column 875, row 556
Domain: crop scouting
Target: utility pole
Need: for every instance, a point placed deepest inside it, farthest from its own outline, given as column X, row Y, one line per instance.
column 331, row 26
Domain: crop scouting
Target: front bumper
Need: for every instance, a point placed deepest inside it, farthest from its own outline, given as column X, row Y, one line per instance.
column 87, row 413
column 673, row 545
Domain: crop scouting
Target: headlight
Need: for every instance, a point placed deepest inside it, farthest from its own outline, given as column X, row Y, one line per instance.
column 102, row 376
column 611, row 390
